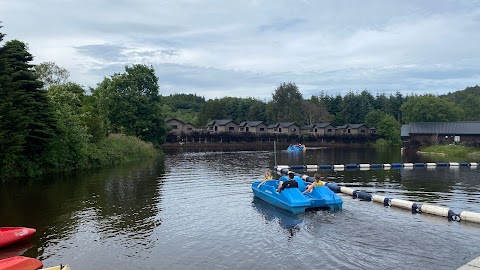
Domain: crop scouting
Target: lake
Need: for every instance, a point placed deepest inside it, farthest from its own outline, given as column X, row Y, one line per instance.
column 193, row 208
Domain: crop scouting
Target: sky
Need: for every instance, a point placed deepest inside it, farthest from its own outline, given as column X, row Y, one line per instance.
column 248, row 48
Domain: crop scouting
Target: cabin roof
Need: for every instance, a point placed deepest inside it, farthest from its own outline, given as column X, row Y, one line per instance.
column 220, row 122
column 251, row 123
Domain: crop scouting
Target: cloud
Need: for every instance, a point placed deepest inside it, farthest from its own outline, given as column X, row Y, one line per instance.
column 247, row 48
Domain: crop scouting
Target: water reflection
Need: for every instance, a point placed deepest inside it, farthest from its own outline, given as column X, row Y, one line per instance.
column 271, row 214
column 15, row 249
column 195, row 210
column 120, row 205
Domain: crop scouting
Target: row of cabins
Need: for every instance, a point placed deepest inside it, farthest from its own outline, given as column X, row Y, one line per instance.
column 421, row 132
column 258, row 127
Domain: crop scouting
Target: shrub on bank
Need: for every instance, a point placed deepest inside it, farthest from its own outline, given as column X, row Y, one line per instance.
column 114, row 149
column 117, row 149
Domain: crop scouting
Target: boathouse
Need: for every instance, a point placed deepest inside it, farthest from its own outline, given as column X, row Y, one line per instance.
column 428, row 133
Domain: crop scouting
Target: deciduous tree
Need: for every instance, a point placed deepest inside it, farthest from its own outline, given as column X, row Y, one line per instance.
column 389, row 129
column 430, row 108
column 287, row 104
column 51, row 74
column 131, row 102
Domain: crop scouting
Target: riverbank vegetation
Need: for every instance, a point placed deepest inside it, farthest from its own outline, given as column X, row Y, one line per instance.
column 451, row 150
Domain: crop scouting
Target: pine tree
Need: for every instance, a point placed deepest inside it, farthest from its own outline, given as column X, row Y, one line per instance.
column 27, row 123
column 12, row 123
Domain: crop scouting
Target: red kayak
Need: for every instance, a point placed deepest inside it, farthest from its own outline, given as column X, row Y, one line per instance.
column 20, row 263
column 10, row 235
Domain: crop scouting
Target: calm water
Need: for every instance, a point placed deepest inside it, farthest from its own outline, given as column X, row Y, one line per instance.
column 194, row 209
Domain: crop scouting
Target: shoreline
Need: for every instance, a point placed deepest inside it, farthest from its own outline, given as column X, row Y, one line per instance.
column 311, row 144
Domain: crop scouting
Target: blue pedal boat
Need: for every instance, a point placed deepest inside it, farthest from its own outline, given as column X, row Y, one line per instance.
column 296, row 148
column 292, row 199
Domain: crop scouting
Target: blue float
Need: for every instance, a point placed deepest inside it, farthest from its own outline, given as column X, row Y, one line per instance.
column 351, row 166
column 335, row 188
column 362, row 195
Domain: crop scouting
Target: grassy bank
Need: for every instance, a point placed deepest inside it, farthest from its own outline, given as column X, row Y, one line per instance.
column 63, row 157
column 452, row 150
column 117, row 149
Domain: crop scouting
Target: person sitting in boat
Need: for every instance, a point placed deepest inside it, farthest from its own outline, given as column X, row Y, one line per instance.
column 291, row 183
column 317, row 183
column 267, row 176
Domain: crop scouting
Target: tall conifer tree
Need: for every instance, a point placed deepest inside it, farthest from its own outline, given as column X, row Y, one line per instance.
column 27, row 123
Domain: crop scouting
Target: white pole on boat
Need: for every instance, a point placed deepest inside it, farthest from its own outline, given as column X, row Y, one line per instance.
column 275, row 151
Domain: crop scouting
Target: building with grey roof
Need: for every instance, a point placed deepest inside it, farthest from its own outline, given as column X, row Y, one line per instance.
column 428, row 133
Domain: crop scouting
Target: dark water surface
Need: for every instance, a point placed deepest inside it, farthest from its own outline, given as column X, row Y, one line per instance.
column 194, row 209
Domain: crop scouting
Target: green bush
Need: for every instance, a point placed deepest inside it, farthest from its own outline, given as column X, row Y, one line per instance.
column 381, row 143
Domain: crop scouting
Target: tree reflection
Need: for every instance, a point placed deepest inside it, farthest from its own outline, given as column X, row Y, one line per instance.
column 121, row 201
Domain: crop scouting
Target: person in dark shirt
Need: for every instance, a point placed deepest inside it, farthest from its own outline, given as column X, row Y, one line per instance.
column 291, row 183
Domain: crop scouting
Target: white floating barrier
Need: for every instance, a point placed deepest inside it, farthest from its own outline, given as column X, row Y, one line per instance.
column 435, row 210
column 339, row 167
column 453, row 164
column 473, row 164
column 312, row 167
column 387, row 165
column 403, row 204
column 408, row 165
column 381, row 199
column 431, row 164
column 470, row 216
column 346, row 190
column 364, row 166
column 283, row 167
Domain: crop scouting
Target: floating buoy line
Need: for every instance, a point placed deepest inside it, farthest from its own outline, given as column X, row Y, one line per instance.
column 390, row 202
column 385, row 166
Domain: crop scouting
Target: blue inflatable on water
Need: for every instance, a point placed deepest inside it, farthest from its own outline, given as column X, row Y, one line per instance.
column 292, row 199
column 297, row 148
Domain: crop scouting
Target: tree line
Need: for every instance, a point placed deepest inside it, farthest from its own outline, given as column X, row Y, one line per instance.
column 385, row 112
column 289, row 105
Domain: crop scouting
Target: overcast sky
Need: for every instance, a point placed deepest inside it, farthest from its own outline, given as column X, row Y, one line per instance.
column 246, row 48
